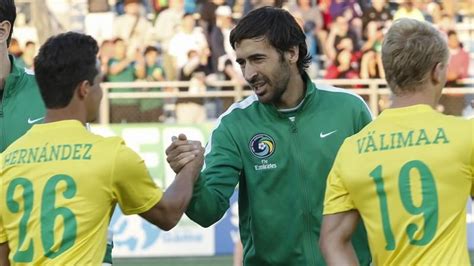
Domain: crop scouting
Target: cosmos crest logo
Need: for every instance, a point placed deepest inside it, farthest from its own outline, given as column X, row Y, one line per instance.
column 262, row 145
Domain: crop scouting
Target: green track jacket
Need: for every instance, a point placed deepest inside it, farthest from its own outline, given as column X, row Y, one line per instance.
column 281, row 163
column 21, row 105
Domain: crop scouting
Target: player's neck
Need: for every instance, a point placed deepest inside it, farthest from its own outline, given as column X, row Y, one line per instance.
column 294, row 94
column 406, row 100
column 5, row 69
column 57, row 115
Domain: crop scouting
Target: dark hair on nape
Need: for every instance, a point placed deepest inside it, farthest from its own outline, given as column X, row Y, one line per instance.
column 63, row 62
column 8, row 13
column 278, row 27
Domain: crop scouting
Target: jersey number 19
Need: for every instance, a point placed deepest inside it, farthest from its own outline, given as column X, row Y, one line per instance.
column 428, row 207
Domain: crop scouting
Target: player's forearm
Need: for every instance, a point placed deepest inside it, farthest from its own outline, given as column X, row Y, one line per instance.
column 207, row 205
column 338, row 251
column 4, row 252
column 169, row 210
column 177, row 197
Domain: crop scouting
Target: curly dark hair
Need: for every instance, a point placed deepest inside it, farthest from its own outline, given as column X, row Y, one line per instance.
column 279, row 27
column 64, row 61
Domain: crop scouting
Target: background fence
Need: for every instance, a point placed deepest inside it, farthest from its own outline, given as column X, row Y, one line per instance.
column 371, row 89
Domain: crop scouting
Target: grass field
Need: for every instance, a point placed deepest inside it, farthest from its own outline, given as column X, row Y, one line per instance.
column 183, row 261
column 190, row 261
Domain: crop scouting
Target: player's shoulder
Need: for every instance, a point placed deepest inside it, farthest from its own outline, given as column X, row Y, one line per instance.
column 328, row 92
column 454, row 123
column 26, row 80
column 239, row 109
column 26, row 73
column 112, row 142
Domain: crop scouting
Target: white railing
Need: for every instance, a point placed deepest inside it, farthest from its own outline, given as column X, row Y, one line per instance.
column 373, row 88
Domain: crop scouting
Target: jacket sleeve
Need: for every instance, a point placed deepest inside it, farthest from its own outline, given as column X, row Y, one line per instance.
column 218, row 179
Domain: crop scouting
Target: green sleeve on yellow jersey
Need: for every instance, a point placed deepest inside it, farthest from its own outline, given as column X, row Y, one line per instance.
column 133, row 187
column 337, row 198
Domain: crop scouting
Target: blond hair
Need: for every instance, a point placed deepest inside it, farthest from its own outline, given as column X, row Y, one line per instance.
column 410, row 51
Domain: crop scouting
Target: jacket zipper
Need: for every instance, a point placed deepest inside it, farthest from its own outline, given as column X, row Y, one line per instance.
column 307, row 211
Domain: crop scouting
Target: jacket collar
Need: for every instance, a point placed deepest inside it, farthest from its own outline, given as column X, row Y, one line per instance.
column 13, row 77
column 310, row 93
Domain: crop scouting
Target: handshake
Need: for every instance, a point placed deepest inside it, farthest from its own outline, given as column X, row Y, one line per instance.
column 185, row 155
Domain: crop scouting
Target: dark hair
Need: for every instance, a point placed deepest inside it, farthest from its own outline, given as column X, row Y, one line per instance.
column 188, row 14
column 64, row 61
column 116, row 40
column 28, row 43
column 451, row 32
column 278, row 26
column 8, row 13
column 149, row 49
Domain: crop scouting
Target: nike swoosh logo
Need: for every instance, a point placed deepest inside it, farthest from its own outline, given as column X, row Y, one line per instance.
column 322, row 135
column 32, row 121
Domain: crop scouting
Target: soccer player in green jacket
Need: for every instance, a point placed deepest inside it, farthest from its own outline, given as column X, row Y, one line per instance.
column 21, row 105
column 278, row 145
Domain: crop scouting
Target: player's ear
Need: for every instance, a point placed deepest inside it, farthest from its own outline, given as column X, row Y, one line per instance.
column 83, row 89
column 5, row 28
column 437, row 73
column 292, row 54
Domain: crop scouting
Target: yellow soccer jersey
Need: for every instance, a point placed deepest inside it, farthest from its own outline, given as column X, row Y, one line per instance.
column 409, row 173
column 59, row 186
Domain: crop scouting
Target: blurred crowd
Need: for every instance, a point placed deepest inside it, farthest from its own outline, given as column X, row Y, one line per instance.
column 158, row 40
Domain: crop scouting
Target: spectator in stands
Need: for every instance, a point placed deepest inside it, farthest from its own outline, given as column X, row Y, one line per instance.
column 219, row 38
column 352, row 11
column 446, row 24
column 99, row 20
column 458, row 67
column 371, row 63
column 408, row 10
column 122, row 68
column 223, row 61
column 433, row 11
column 191, row 110
column 166, row 25
column 133, row 27
column 151, row 110
column 106, row 52
column 15, row 50
column 313, row 26
column 29, row 54
column 323, row 6
column 377, row 13
column 208, row 15
column 189, row 37
column 338, row 7
column 308, row 12
column 342, row 67
column 340, row 30
column 459, row 61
